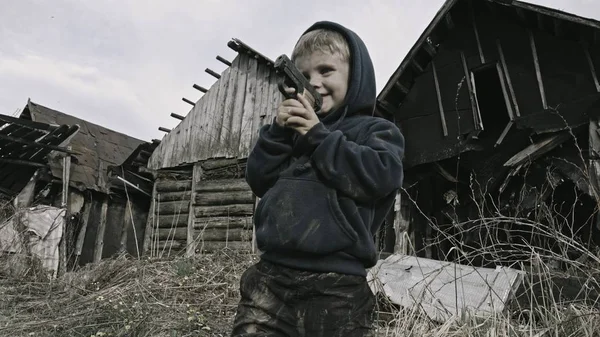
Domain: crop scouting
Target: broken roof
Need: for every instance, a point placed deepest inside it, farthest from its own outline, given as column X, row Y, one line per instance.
column 96, row 147
column 422, row 52
column 24, row 147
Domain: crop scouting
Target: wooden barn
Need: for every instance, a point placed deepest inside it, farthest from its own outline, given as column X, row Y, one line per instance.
column 201, row 201
column 499, row 103
column 105, row 198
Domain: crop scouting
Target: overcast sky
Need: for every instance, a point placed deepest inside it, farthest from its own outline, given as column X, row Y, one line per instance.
column 126, row 64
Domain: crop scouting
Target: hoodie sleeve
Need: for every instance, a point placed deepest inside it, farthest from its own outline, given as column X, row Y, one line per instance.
column 268, row 158
column 365, row 170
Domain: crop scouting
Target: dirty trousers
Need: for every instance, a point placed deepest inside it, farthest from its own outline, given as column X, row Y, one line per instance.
column 279, row 301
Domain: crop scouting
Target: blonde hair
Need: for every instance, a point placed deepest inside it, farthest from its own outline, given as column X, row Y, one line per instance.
column 326, row 41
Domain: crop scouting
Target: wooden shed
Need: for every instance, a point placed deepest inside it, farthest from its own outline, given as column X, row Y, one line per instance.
column 106, row 213
column 493, row 96
column 201, row 201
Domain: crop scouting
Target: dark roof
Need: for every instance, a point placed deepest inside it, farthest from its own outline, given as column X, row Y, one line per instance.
column 96, row 147
column 529, row 14
column 24, row 147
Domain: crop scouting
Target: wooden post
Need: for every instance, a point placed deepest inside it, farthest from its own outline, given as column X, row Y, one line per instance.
column 473, row 21
column 508, row 80
column 592, row 68
column 99, row 247
column 401, row 226
column 594, row 155
column 538, row 71
column 127, row 223
column 191, row 237
column 87, row 207
column 151, row 216
column 439, row 99
column 64, row 204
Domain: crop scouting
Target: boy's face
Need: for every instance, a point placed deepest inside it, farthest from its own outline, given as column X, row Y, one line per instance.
column 328, row 74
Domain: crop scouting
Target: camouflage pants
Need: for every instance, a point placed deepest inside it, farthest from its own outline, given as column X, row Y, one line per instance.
column 278, row 301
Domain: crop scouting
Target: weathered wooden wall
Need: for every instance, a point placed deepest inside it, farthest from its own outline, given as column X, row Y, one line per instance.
column 225, row 120
column 486, row 36
column 221, row 210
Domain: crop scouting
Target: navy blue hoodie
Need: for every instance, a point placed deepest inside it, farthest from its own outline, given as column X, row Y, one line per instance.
column 325, row 194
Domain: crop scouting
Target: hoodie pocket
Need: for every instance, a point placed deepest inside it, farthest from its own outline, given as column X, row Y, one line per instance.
column 304, row 216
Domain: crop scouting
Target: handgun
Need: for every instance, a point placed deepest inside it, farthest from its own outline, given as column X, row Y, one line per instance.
column 289, row 76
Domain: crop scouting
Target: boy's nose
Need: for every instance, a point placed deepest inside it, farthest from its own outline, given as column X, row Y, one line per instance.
column 315, row 83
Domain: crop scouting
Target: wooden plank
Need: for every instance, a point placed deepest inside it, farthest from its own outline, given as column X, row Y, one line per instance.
column 476, row 32
column 207, row 121
column 537, row 149
column 233, row 143
column 216, row 124
column 592, row 68
column 274, row 95
column 227, row 114
column 519, row 5
column 229, row 210
column 508, row 80
column 248, row 109
column 99, row 247
column 224, row 198
column 224, row 222
column 439, row 99
column 507, row 100
column 594, row 157
column 85, row 215
column 258, row 102
column 127, row 223
column 196, row 174
column 477, row 120
column 538, row 72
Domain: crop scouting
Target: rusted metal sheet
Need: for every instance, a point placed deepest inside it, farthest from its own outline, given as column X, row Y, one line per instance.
column 224, row 121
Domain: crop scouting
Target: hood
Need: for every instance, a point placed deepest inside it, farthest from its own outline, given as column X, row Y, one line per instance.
column 361, row 95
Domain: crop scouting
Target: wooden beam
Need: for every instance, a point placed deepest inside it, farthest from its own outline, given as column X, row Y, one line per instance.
column 176, row 116
column 151, row 219
column 521, row 14
column 558, row 27
column 507, row 100
column 36, row 144
column 439, row 99
column 417, row 66
column 592, row 68
column 538, row 72
column 504, row 133
column 401, row 87
column 508, row 80
column 227, row 63
column 449, row 21
column 202, row 89
column 540, row 21
column 160, row 128
column 387, row 107
column 21, row 162
column 99, row 247
column 477, row 40
column 429, row 49
column 209, row 71
column 474, row 108
column 188, row 101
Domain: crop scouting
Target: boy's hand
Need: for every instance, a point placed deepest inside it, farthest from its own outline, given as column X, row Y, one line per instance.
column 297, row 114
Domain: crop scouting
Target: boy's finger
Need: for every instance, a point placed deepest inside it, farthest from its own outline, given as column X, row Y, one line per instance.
column 305, row 102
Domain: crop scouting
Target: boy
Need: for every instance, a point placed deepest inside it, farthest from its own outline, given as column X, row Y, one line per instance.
column 326, row 180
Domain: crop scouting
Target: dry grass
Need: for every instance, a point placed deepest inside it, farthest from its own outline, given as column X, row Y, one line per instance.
column 125, row 297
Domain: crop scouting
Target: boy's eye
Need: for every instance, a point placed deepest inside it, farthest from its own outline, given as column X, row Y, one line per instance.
column 325, row 70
